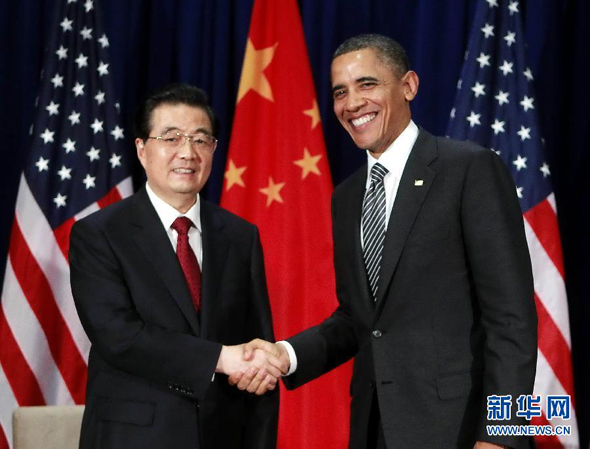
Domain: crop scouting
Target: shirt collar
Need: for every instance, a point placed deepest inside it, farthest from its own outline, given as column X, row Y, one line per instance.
column 168, row 214
column 394, row 158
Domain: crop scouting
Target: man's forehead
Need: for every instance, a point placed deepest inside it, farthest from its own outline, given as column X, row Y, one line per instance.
column 365, row 59
column 169, row 108
column 363, row 54
column 360, row 66
column 358, row 74
column 174, row 115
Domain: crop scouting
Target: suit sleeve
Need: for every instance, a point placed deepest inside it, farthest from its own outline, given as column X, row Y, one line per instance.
column 326, row 346
column 118, row 333
column 322, row 348
column 263, row 411
column 501, row 271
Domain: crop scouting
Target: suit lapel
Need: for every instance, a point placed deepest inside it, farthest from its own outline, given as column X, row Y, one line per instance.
column 408, row 202
column 215, row 248
column 153, row 241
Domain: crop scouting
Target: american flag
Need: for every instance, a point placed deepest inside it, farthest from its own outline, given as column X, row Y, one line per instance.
column 76, row 166
column 495, row 107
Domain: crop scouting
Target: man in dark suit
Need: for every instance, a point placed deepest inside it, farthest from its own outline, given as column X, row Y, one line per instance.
column 163, row 335
column 433, row 273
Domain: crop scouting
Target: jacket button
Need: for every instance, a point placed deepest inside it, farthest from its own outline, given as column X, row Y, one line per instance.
column 371, row 384
column 377, row 333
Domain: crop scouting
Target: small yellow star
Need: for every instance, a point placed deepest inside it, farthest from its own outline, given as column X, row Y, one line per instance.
column 314, row 113
column 233, row 175
column 309, row 164
column 272, row 191
column 255, row 61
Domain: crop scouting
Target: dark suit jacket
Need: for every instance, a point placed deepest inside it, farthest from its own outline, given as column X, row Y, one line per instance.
column 152, row 359
column 454, row 320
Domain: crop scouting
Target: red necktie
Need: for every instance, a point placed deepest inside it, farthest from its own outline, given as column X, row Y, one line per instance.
column 187, row 259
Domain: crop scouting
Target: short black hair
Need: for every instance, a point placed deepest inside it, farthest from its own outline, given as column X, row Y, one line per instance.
column 172, row 94
column 387, row 50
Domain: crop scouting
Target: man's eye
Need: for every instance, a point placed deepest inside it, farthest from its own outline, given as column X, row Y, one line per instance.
column 368, row 85
column 171, row 139
column 199, row 141
column 339, row 93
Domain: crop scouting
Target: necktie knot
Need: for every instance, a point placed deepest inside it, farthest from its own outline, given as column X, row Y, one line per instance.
column 378, row 172
column 182, row 225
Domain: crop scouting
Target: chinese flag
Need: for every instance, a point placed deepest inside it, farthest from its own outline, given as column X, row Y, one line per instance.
column 278, row 177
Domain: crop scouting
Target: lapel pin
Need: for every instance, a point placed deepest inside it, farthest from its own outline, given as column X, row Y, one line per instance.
column 419, row 182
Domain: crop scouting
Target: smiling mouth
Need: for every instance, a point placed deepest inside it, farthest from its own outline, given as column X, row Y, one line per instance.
column 364, row 119
column 183, row 171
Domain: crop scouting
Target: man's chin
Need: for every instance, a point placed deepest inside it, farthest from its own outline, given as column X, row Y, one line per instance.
column 187, row 189
column 363, row 145
column 360, row 141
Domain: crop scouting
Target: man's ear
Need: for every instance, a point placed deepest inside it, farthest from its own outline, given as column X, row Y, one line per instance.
column 140, row 147
column 411, row 83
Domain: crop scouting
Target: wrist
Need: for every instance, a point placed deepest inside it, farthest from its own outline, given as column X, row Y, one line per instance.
column 289, row 355
column 222, row 360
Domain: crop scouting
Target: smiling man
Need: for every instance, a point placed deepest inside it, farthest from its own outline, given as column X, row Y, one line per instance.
column 166, row 286
column 433, row 273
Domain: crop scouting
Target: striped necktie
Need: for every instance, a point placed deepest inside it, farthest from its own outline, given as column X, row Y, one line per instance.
column 373, row 225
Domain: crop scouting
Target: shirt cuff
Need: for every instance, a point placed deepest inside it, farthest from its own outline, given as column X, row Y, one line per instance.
column 292, row 356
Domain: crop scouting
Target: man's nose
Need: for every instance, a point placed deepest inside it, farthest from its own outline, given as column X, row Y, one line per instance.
column 186, row 150
column 355, row 100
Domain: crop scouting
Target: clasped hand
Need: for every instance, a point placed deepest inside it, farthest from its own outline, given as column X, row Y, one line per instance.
column 255, row 366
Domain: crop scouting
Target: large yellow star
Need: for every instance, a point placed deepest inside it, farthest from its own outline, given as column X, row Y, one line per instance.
column 314, row 113
column 272, row 191
column 255, row 61
column 309, row 164
column 233, row 175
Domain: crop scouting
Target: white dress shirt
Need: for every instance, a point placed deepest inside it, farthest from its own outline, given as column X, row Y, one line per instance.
column 394, row 159
column 168, row 214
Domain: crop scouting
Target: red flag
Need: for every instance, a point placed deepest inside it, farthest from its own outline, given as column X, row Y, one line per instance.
column 278, row 177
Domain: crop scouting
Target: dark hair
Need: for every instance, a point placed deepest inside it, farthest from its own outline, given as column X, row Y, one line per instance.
column 172, row 94
column 387, row 50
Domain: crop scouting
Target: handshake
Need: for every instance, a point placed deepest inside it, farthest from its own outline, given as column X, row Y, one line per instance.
column 255, row 366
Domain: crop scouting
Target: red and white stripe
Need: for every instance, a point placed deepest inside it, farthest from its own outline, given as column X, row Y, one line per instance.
column 554, row 364
column 43, row 347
